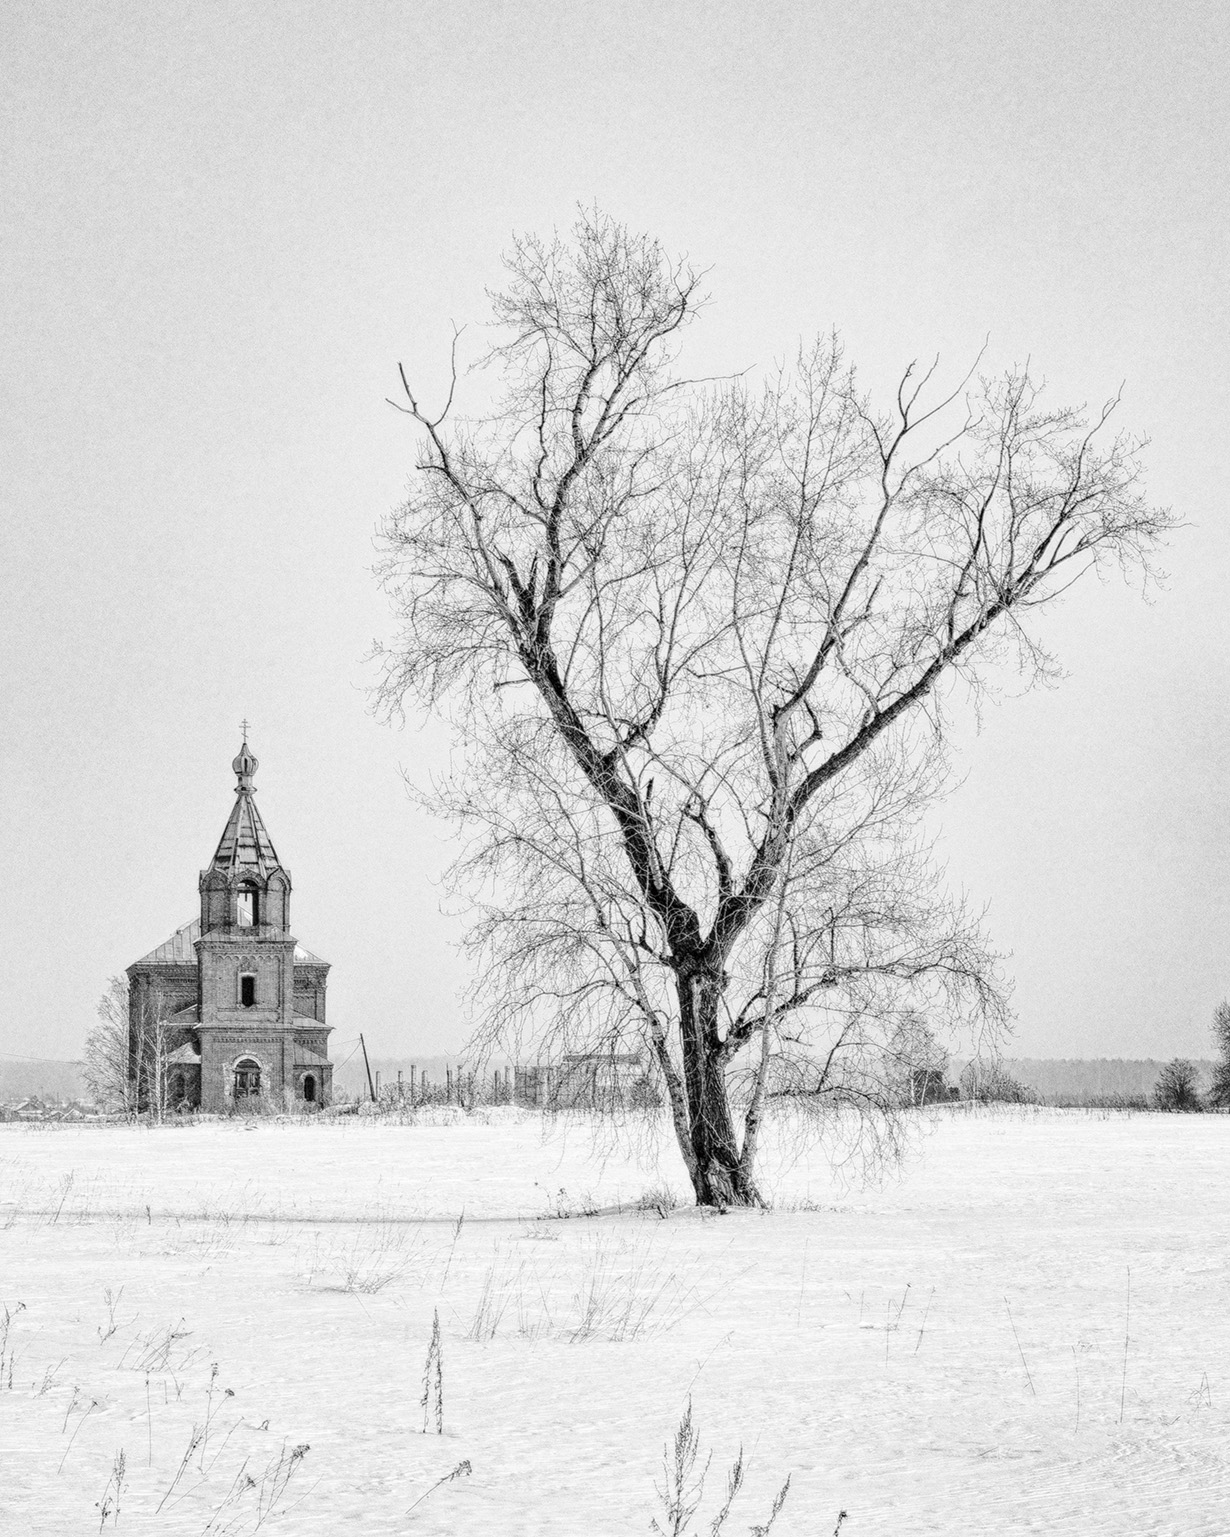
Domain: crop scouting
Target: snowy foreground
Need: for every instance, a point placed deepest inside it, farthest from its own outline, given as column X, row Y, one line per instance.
column 942, row 1353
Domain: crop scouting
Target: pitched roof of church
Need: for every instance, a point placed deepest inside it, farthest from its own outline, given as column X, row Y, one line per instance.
column 179, row 950
column 245, row 845
column 306, row 1057
column 176, row 951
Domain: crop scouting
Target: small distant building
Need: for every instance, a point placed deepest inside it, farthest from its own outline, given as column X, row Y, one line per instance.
column 237, row 1004
column 581, row 1080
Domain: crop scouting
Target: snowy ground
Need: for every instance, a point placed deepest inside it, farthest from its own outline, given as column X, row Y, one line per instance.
column 944, row 1353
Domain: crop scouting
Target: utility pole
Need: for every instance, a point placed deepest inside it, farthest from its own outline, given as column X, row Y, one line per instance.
column 370, row 1087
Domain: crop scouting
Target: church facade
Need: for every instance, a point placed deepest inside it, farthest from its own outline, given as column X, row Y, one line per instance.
column 231, row 1009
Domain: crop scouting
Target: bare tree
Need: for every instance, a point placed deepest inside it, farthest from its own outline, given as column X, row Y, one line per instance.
column 105, row 1064
column 125, row 1059
column 1219, row 1090
column 917, row 1061
column 695, row 640
column 152, row 1045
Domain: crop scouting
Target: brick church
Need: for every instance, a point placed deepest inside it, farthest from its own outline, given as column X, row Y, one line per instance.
column 238, row 1003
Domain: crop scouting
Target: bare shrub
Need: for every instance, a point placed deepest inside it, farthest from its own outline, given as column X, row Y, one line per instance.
column 990, row 1084
column 1176, row 1087
column 660, row 1199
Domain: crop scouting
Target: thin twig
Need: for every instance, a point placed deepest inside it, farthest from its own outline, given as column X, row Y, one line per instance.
column 1024, row 1362
column 462, row 1469
column 93, row 1405
column 926, row 1310
column 1076, row 1361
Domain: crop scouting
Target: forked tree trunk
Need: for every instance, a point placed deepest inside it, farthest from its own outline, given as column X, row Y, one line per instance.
column 719, row 1177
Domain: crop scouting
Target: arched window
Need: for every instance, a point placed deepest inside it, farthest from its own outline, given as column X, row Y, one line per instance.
column 247, row 907
column 247, row 990
column 178, row 1091
column 247, row 1079
column 309, row 1089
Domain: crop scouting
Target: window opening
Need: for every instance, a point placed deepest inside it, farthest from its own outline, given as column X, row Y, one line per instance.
column 247, row 990
column 247, row 1079
column 309, row 1089
column 246, row 908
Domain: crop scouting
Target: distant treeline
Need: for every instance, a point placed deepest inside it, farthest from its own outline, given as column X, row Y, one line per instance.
column 1073, row 1078
column 1070, row 1079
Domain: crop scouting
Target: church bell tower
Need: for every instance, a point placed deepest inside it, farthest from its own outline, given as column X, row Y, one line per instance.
column 246, row 951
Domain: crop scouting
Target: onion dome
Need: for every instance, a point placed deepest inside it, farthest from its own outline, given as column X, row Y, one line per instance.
column 245, row 765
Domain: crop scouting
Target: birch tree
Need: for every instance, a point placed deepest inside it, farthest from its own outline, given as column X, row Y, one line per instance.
column 124, row 1064
column 105, row 1064
column 696, row 640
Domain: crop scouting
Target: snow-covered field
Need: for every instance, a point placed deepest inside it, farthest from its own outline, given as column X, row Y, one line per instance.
column 942, row 1353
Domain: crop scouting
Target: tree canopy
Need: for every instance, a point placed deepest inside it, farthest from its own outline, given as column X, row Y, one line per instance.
column 695, row 640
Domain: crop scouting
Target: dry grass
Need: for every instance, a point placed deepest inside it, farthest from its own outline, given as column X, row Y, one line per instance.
column 682, row 1491
column 377, row 1256
column 608, row 1288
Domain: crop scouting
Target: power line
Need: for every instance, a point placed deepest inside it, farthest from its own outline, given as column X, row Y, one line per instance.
column 12, row 1056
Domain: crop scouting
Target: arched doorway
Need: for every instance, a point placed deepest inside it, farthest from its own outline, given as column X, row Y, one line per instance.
column 309, row 1090
column 247, row 1079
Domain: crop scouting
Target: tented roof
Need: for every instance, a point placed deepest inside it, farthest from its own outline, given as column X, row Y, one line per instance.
column 245, row 845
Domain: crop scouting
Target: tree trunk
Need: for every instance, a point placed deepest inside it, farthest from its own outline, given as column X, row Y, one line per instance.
column 719, row 1177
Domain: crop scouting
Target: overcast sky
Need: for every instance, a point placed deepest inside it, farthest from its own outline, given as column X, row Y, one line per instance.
column 225, row 224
